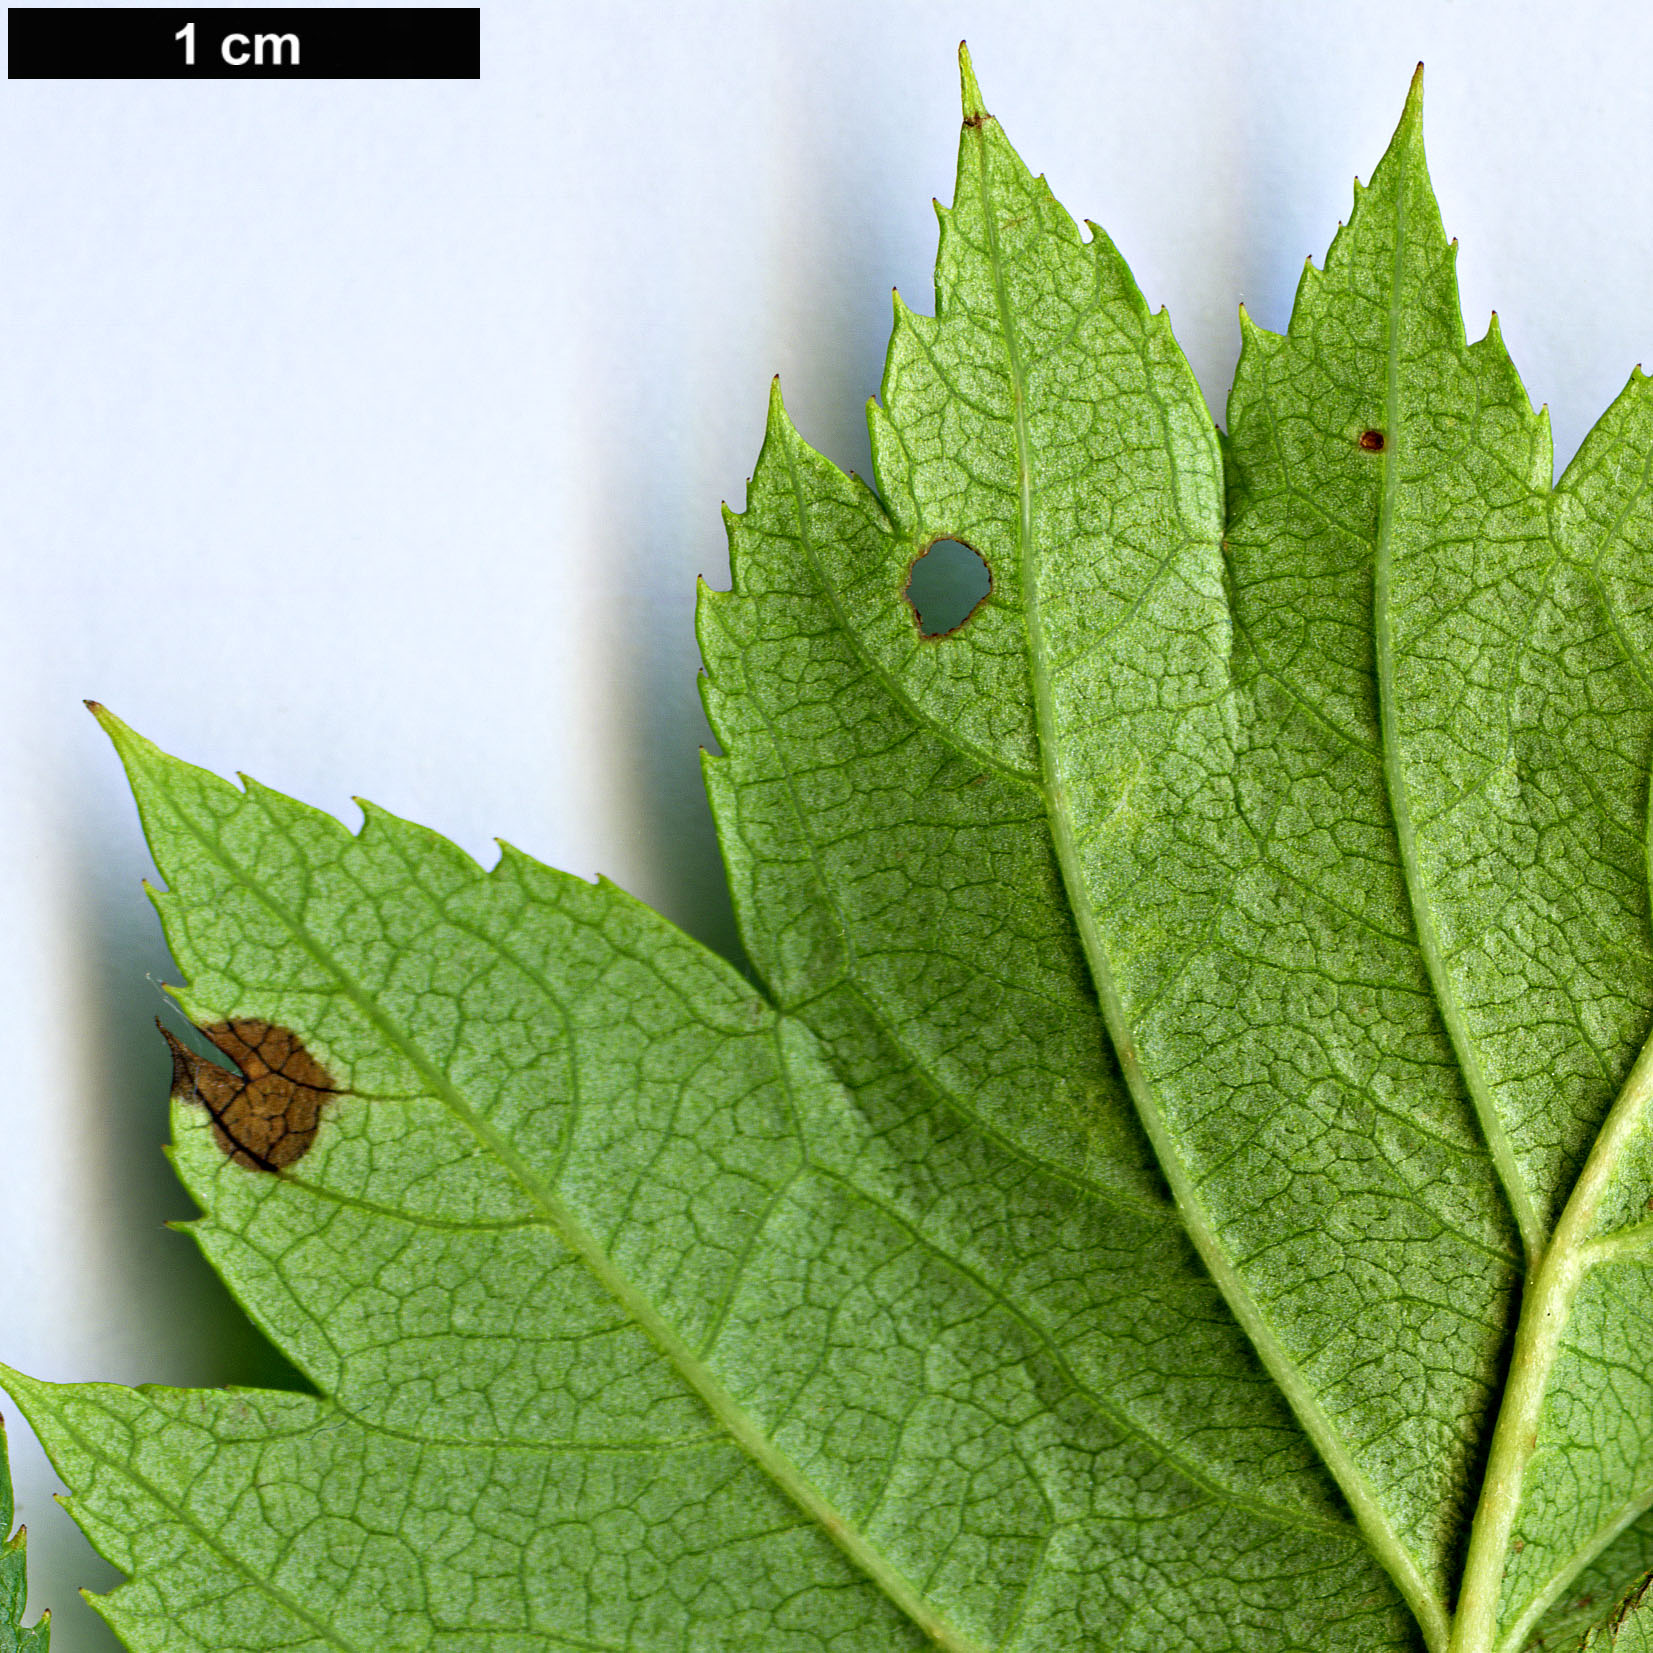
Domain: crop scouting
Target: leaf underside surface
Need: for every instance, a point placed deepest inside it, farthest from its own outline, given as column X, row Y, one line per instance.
column 14, row 1588
column 1184, row 1175
column 1628, row 1628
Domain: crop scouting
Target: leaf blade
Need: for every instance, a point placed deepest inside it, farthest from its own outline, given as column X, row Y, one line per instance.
column 343, row 1258
column 1513, row 741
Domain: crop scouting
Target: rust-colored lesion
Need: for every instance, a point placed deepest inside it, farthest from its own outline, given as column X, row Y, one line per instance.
column 264, row 1116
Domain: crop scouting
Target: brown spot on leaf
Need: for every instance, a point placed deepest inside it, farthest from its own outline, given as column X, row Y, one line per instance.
column 1372, row 441
column 265, row 1116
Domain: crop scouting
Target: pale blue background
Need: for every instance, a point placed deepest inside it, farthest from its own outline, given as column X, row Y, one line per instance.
column 369, row 437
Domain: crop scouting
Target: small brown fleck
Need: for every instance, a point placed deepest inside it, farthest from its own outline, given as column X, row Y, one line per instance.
column 1519, row 1545
column 265, row 1116
column 1372, row 441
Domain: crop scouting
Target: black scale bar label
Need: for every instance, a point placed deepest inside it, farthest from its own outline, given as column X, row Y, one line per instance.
column 244, row 43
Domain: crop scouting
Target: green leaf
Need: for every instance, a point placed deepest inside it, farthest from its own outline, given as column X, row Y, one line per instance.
column 14, row 1584
column 1601, row 1580
column 1480, row 761
column 1184, row 1178
column 1629, row 1628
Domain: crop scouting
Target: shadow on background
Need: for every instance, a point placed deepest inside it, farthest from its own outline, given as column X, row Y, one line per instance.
column 821, row 312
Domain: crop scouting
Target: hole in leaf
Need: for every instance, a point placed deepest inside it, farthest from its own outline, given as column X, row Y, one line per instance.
column 945, row 586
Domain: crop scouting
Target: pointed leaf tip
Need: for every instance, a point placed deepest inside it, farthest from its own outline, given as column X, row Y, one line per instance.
column 111, row 725
column 1414, row 97
column 975, row 110
column 1407, row 139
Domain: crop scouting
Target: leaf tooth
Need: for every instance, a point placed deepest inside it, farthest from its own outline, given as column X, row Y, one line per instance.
column 711, row 615
column 903, row 312
column 1633, row 385
column 378, row 820
column 779, row 434
column 1253, row 336
column 740, row 547
column 279, row 806
column 509, row 853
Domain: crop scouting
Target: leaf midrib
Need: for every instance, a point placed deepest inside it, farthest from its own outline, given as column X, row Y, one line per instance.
column 1369, row 1515
column 741, row 1428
